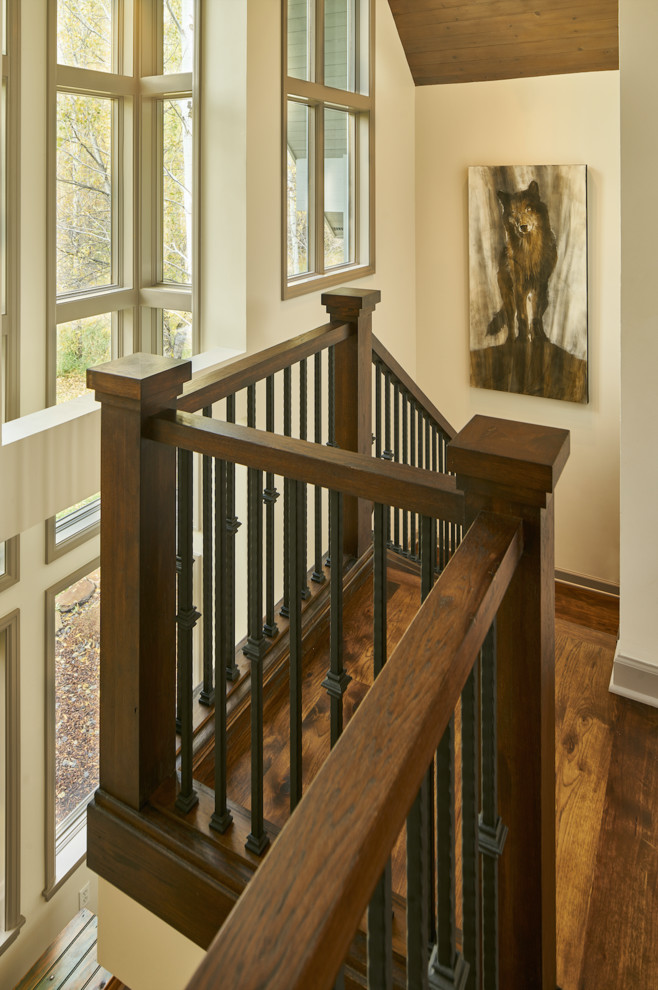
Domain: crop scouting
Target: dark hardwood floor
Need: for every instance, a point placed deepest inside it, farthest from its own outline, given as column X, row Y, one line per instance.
column 606, row 780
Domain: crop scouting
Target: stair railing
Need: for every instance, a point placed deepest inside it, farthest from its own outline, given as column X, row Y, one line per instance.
column 508, row 468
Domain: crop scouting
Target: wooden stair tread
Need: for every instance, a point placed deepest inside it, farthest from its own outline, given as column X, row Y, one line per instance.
column 69, row 962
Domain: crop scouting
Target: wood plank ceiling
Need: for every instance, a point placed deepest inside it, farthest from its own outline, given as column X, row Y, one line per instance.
column 449, row 41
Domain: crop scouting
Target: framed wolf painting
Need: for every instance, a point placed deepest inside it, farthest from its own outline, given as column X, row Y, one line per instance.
column 528, row 279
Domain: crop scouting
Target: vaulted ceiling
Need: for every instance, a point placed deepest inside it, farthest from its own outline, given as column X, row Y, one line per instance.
column 449, row 41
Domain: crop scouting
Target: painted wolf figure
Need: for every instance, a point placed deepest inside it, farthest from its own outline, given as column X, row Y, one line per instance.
column 526, row 263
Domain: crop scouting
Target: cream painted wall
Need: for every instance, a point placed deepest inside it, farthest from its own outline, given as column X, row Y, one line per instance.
column 636, row 665
column 269, row 319
column 550, row 120
column 43, row 919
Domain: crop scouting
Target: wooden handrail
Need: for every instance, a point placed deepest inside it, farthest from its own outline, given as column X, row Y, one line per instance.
column 347, row 823
column 410, row 385
column 353, row 474
column 221, row 380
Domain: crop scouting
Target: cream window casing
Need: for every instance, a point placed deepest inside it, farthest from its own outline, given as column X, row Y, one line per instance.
column 327, row 162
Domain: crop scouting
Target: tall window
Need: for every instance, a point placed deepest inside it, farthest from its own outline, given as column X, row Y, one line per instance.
column 328, row 157
column 124, row 239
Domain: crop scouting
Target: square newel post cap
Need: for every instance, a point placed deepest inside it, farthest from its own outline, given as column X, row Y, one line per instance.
column 140, row 377
column 518, row 460
column 347, row 304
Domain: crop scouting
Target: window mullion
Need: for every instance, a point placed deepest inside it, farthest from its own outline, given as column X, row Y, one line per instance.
column 317, row 198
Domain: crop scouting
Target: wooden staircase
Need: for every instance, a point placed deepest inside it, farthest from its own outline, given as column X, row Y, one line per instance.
column 181, row 824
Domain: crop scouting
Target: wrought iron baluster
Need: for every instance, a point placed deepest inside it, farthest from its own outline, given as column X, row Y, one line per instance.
column 442, row 524
column 232, row 526
column 418, row 892
column 427, row 558
column 336, row 681
column 470, row 815
column 287, row 431
column 448, row 968
column 318, row 572
column 331, row 423
column 221, row 817
column 396, row 458
column 302, row 545
column 380, row 909
column 387, row 452
column 295, row 535
column 255, row 646
column 492, row 830
column 405, row 460
column 413, row 548
column 207, row 694
column 270, row 496
column 378, row 409
column 186, row 618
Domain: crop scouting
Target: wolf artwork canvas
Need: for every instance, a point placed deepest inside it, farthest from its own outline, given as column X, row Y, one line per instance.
column 528, row 279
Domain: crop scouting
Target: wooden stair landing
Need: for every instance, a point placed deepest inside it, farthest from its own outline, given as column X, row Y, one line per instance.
column 69, row 963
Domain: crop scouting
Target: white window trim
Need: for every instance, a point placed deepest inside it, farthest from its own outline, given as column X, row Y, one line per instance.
column 13, row 919
column 319, row 96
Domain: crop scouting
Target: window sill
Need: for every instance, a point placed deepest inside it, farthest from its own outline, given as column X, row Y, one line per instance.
column 314, row 283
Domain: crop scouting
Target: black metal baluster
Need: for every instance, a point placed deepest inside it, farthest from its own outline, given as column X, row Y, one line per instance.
column 186, row 618
column 270, row 496
column 287, row 431
column 318, row 572
column 442, row 523
column 413, row 551
column 470, row 815
column 295, row 536
column 379, row 588
column 387, row 453
column 331, row 423
column 255, row 646
column 302, row 545
column 378, row 410
column 405, row 460
column 207, row 693
column 492, row 830
column 418, row 892
column 448, row 968
column 232, row 526
column 434, row 442
column 396, row 458
column 380, row 909
column 427, row 558
column 336, row 681
column 221, row 817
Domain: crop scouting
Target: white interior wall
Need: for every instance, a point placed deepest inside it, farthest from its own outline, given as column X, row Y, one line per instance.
column 635, row 673
column 571, row 119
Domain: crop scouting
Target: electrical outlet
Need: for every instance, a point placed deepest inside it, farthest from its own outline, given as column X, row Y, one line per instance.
column 83, row 897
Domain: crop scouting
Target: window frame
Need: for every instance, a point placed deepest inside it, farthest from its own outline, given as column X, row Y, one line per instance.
column 13, row 920
column 319, row 97
column 139, row 296
column 66, row 849
column 12, row 563
column 10, row 209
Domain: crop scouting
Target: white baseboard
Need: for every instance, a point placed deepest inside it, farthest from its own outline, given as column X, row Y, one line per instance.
column 635, row 679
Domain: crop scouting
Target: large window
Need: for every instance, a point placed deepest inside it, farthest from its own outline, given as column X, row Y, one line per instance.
column 124, row 168
column 328, row 156
column 72, row 704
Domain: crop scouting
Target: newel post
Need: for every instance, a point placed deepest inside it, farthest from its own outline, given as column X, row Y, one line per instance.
column 138, row 559
column 513, row 468
column 353, row 398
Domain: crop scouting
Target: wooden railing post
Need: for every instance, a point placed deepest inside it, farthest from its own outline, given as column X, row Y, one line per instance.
column 138, row 553
column 354, row 398
column 512, row 468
